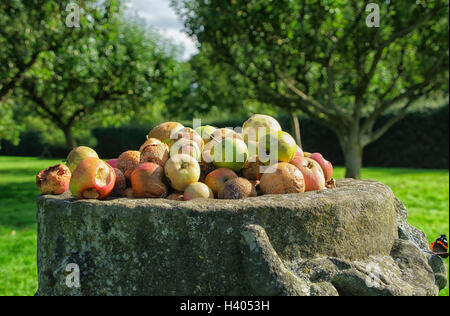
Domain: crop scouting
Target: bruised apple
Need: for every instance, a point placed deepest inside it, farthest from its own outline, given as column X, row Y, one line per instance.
column 197, row 190
column 54, row 180
column 92, row 179
column 216, row 179
column 147, row 181
column 182, row 170
column 128, row 160
column 312, row 173
column 326, row 166
column 282, row 178
column 77, row 155
column 157, row 153
column 149, row 142
column 238, row 188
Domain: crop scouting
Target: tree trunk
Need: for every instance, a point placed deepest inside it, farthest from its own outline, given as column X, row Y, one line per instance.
column 70, row 140
column 353, row 153
column 296, row 123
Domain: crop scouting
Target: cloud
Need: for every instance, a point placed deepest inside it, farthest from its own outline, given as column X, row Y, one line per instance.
column 162, row 17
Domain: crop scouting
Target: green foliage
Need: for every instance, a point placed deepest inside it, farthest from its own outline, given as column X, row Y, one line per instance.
column 104, row 73
column 9, row 129
column 424, row 192
column 321, row 58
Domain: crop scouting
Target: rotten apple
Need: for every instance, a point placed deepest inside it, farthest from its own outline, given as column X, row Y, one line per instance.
column 54, row 180
column 92, row 179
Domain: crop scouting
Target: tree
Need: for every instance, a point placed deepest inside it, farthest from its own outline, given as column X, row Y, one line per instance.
column 103, row 76
column 27, row 29
column 323, row 59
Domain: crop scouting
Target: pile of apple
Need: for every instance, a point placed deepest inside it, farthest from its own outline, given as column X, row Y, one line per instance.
column 180, row 163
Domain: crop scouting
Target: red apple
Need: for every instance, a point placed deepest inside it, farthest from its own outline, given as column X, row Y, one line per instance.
column 112, row 163
column 216, row 179
column 312, row 173
column 298, row 159
column 54, row 180
column 327, row 167
column 92, row 179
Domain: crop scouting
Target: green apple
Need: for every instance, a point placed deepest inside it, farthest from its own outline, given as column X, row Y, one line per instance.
column 251, row 128
column 230, row 153
column 252, row 148
column 278, row 146
column 206, row 132
column 77, row 155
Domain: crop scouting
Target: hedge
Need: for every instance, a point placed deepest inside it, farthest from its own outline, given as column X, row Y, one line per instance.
column 420, row 140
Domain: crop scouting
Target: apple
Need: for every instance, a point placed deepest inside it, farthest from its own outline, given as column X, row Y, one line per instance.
column 252, row 148
column 165, row 131
column 128, row 160
column 186, row 133
column 150, row 142
column 92, row 179
column 120, row 185
column 205, row 168
column 278, row 147
column 156, row 152
column 216, row 179
column 187, row 147
column 230, row 153
column 182, row 170
column 206, row 153
column 112, row 162
column 77, row 155
column 252, row 169
column 312, row 173
column 147, row 181
column 282, row 178
column 298, row 158
column 326, row 166
column 198, row 190
column 206, row 132
column 259, row 123
column 54, row 180
column 222, row 133
column 238, row 188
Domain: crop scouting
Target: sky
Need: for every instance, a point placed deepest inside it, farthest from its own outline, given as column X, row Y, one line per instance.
column 163, row 18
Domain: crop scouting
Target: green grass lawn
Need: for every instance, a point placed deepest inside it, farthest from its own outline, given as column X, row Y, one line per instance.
column 424, row 192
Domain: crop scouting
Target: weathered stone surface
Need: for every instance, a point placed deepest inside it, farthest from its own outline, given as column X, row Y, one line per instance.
column 317, row 243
